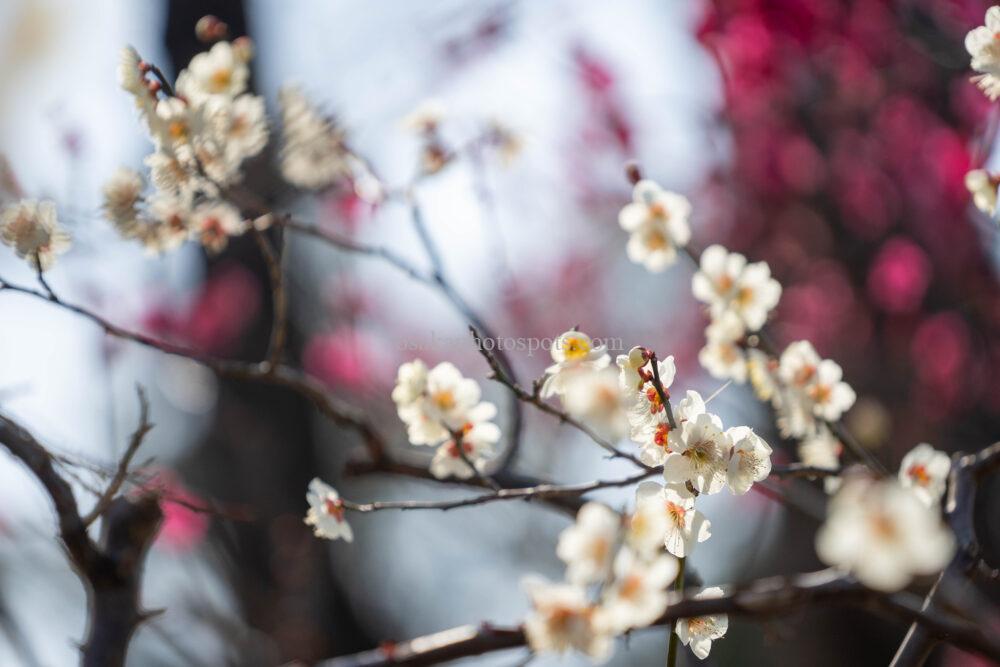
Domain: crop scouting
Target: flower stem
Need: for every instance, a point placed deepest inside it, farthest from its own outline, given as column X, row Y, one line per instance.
column 673, row 641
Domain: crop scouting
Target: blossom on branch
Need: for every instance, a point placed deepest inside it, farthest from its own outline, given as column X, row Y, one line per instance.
column 313, row 154
column 813, row 389
column 326, row 512
column 925, row 471
column 563, row 619
column 726, row 282
column 983, row 44
column 699, row 632
column 750, row 459
column 573, row 352
column 638, row 596
column 596, row 398
column 983, row 188
column 657, row 221
column 30, row 227
column 670, row 510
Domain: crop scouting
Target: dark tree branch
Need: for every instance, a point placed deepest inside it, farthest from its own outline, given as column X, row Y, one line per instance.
column 111, row 570
column 959, row 512
column 758, row 599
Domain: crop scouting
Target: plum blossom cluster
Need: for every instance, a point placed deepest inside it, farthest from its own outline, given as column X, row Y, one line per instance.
column 202, row 132
column 30, row 227
column 441, row 408
column 616, row 580
column 983, row 45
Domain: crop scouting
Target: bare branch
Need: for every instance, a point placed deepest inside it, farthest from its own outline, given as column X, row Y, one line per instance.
column 110, row 570
column 526, row 493
column 280, row 375
column 274, row 259
column 758, row 599
column 122, row 471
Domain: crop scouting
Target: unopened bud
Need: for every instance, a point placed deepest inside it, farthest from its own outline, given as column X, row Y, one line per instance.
column 210, row 29
column 243, row 48
column 153, row 87
column 632, row 172
column 144, row 67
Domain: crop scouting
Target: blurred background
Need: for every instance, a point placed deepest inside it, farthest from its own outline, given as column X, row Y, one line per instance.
column 829, row 138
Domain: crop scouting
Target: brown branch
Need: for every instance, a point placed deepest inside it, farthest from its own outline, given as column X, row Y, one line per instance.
column 280, row 375
column 758, row 599
column 122, row 471
column 538, row 491
column 800, row 470
column 959, row 512
column 111, row 570
column 535, row 399
column 661, row 392
column 274, row 258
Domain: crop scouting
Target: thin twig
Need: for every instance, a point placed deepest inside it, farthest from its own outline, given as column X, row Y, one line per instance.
column 274, row 259
column 526, row 493
column 122, row 471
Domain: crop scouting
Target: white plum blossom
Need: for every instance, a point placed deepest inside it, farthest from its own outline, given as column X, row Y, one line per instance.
column 411, row 382
column 657, row 221
column 684, row 526
column 435, row 405
column 647, row 412
column 883, row 534
column 240, row 127
column 722, row 356
column 762, row 370
column 983, row 44
column 475, row 446
column 563, row 619
column 219, row 72
column 649, row 522
column 639, row 594
column 699, row 453
column 596, row 398
column 30, row 227
column 983, row 188
column 629, row 366
column 122, row 194
column 750, row 460
column 699, row 632
column 588, row 546
column 573, row 352
column 822, row 450
column 925, row 471
column 326, row 512
column 726, row 282
column 313, row 154
column 213, row 222
column 815, row 384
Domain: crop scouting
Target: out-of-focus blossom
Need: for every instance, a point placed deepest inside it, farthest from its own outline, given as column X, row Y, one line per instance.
column 563, row 619
column 588, row 546
column 597, row 399
column 469, row 453
column 983, row 188
column 883, row 534
column 925, row 471
column 726, row 282
column 723, row 356
column 212, row 223
column 32, row 230
column 313, row 154
column 984, row 47
column 638, row 597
